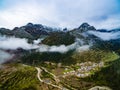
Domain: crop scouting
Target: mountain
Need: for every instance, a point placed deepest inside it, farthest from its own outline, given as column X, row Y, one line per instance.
column 82, row 33
column 29, row 31
column 5, row 31
column 90, row 59
column 68, row 37
column 84, row 27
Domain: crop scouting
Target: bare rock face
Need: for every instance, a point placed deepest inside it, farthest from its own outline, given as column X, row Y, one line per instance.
column 85, row 27
column 100, row 88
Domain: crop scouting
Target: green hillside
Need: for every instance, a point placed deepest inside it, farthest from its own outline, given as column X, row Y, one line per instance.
column 59, row 39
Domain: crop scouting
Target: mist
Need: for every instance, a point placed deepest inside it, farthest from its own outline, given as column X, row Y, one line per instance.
column 15, row 43
column 60, row 49
column 77, row 46
column 4, row 56
column 106, row 35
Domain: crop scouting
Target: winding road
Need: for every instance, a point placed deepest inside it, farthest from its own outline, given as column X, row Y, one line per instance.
column 39, row 73
column 38, row 76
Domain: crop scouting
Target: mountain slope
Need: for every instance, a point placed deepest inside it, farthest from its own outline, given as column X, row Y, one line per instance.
column 29, row 31
column 59, row 39
column 92, row 62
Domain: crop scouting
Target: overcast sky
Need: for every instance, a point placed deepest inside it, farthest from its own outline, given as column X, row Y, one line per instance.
column 60, row 13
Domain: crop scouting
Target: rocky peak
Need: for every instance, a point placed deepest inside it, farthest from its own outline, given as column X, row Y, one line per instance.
column 29, row 24
column 65, row 30
column 85, row 27
column 16, row 28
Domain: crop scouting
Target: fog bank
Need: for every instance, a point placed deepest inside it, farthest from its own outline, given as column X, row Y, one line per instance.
column 15, row 43
column 106, row 35
column 4, row 56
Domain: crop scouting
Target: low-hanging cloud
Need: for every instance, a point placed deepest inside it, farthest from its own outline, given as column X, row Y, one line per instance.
column 77, row 46
column 4, row 56
column 83, row 48
column 106, row 35
column 61, row 48
column 15, row 43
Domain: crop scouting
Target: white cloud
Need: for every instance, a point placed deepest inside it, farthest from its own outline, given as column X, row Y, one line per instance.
column 106, row 35
column 63, row 49
column 60, row 49
column 111, row 22
column 14, row 43
column 4, row 56
column 22, row 13
column 83, row 48
column 62, row 13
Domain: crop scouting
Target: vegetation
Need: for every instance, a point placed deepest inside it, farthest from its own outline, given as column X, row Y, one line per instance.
column 95, row 56
column 37, row 58
column 111, row 45
column 56, row 68
column 18, row 77
column 4, row 31
column 58, row 39
column 70, row 57
column 108, row 76
column 22, row 77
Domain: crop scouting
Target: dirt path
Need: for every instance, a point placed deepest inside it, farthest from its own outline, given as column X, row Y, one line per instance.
column 39, row 73
column 38, row 76
column 55, row 78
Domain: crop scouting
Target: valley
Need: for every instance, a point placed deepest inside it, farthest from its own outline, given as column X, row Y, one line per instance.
column 59, row 60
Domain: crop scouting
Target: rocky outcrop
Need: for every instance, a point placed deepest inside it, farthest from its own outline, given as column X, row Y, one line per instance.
column 85, row 27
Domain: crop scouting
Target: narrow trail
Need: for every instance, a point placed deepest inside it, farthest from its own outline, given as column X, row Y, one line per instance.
column 55, row 78
column 38, row 76
column 39, row 73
